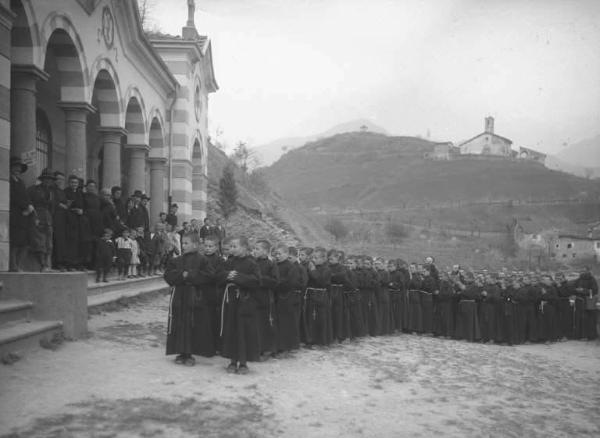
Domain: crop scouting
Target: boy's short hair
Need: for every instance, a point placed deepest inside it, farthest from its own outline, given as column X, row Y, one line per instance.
column 306, row 250
column 108, row 231
column 320, row 250
column 71, row 177
column 214, row 240
column 264, row 244
column 193, row 237
column 293, row 251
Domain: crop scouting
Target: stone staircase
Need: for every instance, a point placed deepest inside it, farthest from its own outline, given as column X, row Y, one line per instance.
column 100, row 294
column 18, row 330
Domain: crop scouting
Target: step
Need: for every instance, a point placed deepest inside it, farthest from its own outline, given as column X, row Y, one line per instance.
column 115, row 285
column 134, row 289
column 18, row 336
column 13, row 310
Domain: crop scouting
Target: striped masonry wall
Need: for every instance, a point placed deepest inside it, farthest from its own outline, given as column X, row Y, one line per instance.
column 6, row 19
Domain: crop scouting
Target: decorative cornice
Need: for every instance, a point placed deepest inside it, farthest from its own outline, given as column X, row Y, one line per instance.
column 30, row 69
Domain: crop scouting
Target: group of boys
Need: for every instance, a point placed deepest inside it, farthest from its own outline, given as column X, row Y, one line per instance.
column 256, row 301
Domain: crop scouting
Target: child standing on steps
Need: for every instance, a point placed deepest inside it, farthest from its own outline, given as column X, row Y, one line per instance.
column 124, row 245
column 105, row 256
column 135, row 256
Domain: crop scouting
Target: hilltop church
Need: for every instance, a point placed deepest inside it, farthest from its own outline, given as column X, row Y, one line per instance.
column 85, row 91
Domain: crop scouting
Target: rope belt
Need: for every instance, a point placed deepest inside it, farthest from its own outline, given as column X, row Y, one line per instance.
column 170, row 323
column 226, row 300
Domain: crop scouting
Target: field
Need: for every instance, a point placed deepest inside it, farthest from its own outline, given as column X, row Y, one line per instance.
column 118, row 383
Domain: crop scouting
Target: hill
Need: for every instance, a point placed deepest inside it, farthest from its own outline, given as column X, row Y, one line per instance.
column 387, row 198
column 270, row 152
column 261, row 213
column 373, row 171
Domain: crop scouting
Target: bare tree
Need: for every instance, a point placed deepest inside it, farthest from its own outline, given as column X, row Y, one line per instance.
column 245, row 157
column 146, row 8
column 588, row 172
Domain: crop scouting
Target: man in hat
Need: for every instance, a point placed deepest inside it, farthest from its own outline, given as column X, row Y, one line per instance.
column 42, row 198
column 120, row 208
column 59, row 222
column 136, row 214
column 146, row 213
column 21, row 210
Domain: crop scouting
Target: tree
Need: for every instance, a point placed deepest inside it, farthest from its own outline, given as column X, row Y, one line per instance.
column 228, row 193
column 336, row 228
column 395, row 232
column 245, row 157
column 589, row 172
column 146, row 8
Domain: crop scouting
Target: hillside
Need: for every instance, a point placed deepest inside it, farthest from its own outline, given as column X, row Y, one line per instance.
column 270, row 152
column 458, row 211
column 373, row 171
column 261, row 214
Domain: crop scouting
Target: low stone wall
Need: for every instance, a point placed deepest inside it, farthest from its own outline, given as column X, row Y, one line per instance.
column 56, row 296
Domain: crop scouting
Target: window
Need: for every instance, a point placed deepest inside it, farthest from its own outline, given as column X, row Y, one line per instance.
column 197, row 101
column 574, row 255
column 557, row 245
column 43, row 144
column 598, row 245
column 569, row 245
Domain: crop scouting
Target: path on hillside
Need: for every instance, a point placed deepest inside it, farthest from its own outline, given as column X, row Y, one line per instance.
column 119, row 383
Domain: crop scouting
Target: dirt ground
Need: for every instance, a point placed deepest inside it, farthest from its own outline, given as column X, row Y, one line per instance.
column 119, row 383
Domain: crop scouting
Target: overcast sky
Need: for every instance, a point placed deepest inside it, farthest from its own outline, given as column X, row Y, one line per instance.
column 298, row 67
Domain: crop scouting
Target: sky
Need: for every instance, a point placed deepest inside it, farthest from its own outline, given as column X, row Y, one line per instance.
column 414, row 67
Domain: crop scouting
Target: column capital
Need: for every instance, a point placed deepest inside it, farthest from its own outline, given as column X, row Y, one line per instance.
column 157, row 162
column 117, row 130
column 76, row 106
column 30, row 70
column 138, row 147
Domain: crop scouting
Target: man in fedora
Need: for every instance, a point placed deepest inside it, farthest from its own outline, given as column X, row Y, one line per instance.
column 42, row 197
column 21, row 210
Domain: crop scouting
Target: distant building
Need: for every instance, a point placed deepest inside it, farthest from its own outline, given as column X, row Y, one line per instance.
column 531, row 155
column 444, row 151
column 487, row 143
column 568, row 248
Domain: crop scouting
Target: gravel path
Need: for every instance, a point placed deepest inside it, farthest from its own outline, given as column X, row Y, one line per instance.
column 118, row 383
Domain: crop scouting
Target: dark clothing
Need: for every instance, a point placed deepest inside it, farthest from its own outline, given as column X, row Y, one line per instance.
column 467, row 320
column 40, row 234
column 368, row 283
column 288, row 333
column 73, row 227
column 171, row 220
column 443, row 312
column 189, row 330
column 397, row 289
column 206, row 231
column 267, row 325
column 383, row 303
column 138, row 217
column 19, row 224
column 59, row 224
column 241, row 341
column 340, row 282
column 109, row 216
column 105, row 254
column 318, row 306
column 121, row 210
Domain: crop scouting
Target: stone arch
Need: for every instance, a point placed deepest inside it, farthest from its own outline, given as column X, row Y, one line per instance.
column 156, row 136
column 25, row 37
column 105, row 98
column 60, row 36
column 106, row 93
column 135, row 118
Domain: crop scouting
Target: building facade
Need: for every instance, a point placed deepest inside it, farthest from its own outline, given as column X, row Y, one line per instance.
column 487, row 143
column 85, row 91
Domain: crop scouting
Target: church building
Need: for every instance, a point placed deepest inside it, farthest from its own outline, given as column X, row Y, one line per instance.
column 84, row 90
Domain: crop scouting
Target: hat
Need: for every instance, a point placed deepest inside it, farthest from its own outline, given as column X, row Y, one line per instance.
column 174, row 205
column 16, row 161
column 137, row 194
column 47, row 174
column 144, row 196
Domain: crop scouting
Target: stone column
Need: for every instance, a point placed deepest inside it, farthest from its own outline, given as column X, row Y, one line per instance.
column 157, row 187
column 76, row 136
column 111, row 156
column 137, row 166
column 23, row 111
